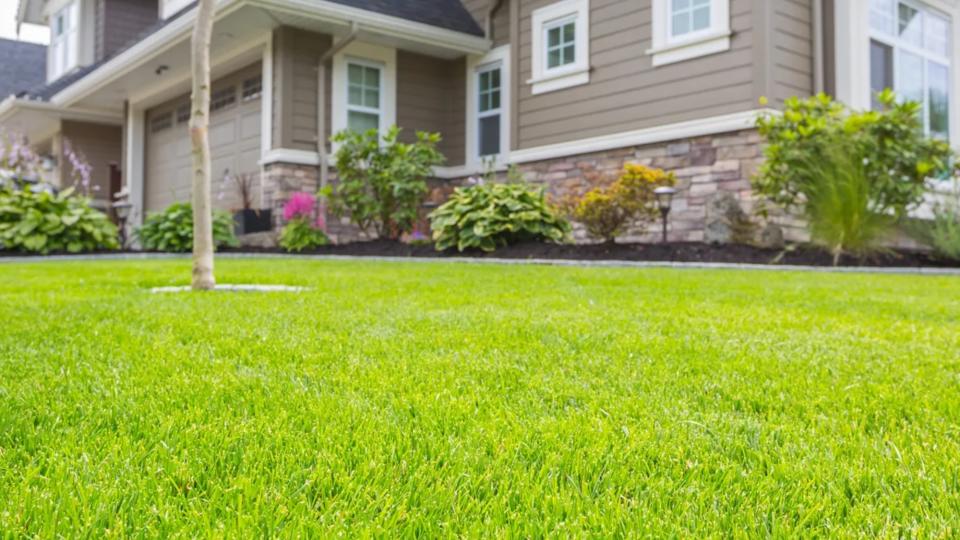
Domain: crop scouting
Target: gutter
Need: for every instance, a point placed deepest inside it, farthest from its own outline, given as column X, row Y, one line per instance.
column 322, row 99
column 488, row 24
column 818, row 60
column 12, row 103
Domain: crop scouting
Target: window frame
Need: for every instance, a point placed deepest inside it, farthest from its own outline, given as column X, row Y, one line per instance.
column 64, row 51
column 544, row 78
column 668, row 49
column 358, row 52
column 496, row 58
column 364, row 109
column 898, row 45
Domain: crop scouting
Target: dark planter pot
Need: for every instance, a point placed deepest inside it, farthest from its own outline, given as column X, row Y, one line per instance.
column 250, row 221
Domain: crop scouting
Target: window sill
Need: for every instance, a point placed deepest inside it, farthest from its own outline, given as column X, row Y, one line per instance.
column 702, row 46
column 567, row 79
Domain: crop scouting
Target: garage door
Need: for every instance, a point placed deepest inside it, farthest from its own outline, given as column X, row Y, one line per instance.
column 234, row 142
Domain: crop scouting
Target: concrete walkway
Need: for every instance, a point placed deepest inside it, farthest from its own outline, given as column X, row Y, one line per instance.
column 931, row 271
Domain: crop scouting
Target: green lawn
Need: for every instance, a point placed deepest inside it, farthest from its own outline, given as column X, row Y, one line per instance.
column 406, row 399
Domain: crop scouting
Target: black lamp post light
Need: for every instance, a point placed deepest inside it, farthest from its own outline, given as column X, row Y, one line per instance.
column 121, row 209
column 664, row 201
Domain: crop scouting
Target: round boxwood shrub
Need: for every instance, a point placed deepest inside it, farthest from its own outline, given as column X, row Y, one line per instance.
column 172, row 229
column 43, row 222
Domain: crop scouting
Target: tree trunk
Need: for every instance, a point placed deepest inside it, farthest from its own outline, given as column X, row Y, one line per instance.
column 200, row 137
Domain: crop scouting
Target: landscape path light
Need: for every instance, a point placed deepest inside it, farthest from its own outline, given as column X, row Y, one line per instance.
column 664, row 201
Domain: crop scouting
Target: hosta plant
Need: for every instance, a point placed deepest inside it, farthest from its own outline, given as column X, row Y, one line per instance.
column 172, row 229
column 42, row 222
column 488, row 215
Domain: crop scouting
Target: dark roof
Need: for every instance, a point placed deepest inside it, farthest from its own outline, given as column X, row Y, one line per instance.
column 448, row 14
column 22, row 66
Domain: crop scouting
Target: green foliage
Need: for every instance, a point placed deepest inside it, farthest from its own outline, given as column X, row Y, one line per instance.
column 40, row 222
column 381, row 184
column 489, row 215
column 943, row 233
column 172, row 229
column 422, row 400
column 607, row 211
column 300, row 234
column 842, row 214
column 897, row 157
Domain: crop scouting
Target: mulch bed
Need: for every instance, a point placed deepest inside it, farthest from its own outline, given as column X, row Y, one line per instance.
column 691, row 252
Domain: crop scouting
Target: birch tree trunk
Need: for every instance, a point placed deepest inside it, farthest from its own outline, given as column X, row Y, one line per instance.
column 200, row 137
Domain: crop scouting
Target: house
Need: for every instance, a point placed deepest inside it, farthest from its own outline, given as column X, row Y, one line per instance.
column 568, row 90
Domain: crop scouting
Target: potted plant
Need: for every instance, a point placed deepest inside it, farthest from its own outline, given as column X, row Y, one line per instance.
column 247, row 220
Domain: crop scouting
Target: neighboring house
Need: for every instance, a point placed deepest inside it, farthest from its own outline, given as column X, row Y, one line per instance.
column 568, row 90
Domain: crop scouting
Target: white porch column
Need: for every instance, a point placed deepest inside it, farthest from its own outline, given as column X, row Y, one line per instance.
column 133, row 167
column 852, row 31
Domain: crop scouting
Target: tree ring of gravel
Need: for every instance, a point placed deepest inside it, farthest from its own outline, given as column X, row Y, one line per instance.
column 233, row 288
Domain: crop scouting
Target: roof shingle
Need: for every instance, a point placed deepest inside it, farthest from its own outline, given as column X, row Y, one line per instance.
column 22, row 66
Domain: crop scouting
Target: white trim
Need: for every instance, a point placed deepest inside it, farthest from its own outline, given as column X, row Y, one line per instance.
column 357, row 52
column 667, row 49
column 682, row 130
column 181, row 28
column 135, row 162
column 171, row 7
column 292, row 156
column 500, row 55
column 266, row 97
column 544, row 79
column 12, row 103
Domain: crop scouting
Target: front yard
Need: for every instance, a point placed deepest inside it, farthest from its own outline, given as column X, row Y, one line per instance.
column 438, row 399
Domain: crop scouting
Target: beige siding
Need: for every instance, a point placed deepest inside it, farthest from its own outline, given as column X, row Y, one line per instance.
column 792, row 58
column 430, row 97
column 296, row 54
column 99, row 145
column 500, row 27
column 625, row 91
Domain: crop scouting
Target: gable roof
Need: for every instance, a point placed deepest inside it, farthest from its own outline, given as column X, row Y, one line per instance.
column 22, row 66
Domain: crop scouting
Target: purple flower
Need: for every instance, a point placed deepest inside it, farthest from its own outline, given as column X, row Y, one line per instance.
column 300, row 205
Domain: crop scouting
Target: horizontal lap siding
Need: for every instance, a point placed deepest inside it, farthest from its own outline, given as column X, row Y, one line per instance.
column 625, row 91
column 100, row 145
column 296, row 54
column 430, row 97
column 793, row 49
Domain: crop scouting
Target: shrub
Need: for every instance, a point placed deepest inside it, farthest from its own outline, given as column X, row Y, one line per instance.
column 382, row 183
column 607, row 211
column 943, row 233
column 490, row 215
column 42, row 222
column 301, row 232
column 842, row 214
column 172, row 229
column 897, row 158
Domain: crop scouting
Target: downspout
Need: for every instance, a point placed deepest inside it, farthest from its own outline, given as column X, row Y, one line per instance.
column 322, row 100
column 488, row 24
column 818, row 61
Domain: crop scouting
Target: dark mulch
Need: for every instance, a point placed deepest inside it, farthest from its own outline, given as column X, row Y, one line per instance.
column 672, row 252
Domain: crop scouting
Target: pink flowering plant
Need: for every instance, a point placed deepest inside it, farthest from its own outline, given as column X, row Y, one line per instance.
column 302, row 230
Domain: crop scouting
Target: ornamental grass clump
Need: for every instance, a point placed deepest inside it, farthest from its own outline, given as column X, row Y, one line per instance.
column 607, row 211
column 302, row 231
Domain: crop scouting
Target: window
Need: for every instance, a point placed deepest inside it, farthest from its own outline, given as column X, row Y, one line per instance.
column 363, row 96
column 252, row 88
column 183, row 113
column 910, row 53
column 687, row 29
column 561, row 46
column 63, row 40
column 161, row 122
column 488, row 111
column 221, row 99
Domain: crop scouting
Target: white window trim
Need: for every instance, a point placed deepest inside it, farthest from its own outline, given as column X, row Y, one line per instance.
column 69, row 42
column 547, row 80
column 852, row 56
column 666, row 49
column 475, row 64
column 171, row 7
column 384, row 58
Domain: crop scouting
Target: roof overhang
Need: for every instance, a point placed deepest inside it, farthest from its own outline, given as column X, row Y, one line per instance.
column 330, row 17
column 37, row 120
column 30, row 12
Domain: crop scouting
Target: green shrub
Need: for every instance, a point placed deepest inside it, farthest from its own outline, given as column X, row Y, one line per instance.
column 300, row 234
column 381, row 184
column 897, row 157
column 943, row 233
column 490, row 215
column 41, row 222
column 843, row 216
column 172, row 229
column 607, row 211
